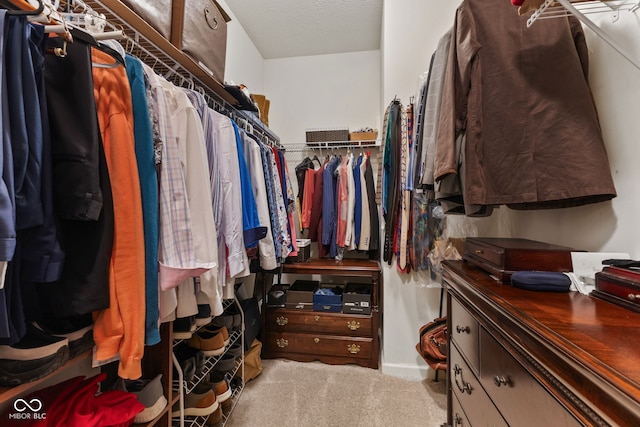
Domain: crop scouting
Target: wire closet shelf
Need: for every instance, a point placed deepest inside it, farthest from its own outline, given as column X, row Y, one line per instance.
column 582, row 8
column 173, row 69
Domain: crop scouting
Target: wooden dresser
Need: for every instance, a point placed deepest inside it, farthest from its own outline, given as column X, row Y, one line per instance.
column 526, row 358
column 334, row 338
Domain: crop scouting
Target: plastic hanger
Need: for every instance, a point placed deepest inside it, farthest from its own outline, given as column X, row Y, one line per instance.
column 21, row 7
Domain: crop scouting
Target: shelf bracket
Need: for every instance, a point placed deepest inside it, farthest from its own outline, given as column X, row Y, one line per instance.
column 596, row 29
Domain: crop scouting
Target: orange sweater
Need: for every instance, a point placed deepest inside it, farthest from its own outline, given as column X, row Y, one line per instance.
column 119, row 330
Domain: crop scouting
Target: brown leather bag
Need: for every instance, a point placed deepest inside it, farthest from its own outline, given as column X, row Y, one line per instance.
column 433, row 343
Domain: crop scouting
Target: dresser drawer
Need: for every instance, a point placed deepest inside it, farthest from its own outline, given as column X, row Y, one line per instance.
column 522, row 400
column 459, row 418
column 464, row 332
column 470, row 394
column 318, row 344
column 315, row 322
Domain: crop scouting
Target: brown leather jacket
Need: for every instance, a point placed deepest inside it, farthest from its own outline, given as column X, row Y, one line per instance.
column 522, row 96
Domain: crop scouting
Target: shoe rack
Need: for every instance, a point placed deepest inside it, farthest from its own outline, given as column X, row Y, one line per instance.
column 181, row 386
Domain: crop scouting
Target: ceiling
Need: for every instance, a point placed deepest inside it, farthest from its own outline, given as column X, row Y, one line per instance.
column 289, row 28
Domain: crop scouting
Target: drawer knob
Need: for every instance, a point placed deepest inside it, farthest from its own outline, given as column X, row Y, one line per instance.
column 281, row 320
column 316, row 340
column 479, row 251
column 463, row 329
column 316, row 318
column 457, row 419
column 499, row 380
column 633, row 297
column 282, row 343
column 457, row 371
column 353, row 325
column 353, row 348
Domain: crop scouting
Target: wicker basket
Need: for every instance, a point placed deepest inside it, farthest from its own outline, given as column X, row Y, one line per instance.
column 363, row 138
column 304, row 251
column 317, row 137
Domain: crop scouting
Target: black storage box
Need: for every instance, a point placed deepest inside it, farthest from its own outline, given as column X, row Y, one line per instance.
column 300, row 294
column 277, row 296
column 356, row 298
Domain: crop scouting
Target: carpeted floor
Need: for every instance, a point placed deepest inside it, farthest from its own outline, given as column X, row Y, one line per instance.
column 294, row 394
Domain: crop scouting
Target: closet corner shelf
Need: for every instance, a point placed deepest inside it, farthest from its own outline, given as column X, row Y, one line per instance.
column 580, row 8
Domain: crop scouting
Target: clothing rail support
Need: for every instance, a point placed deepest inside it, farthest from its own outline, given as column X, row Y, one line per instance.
column 593, row 27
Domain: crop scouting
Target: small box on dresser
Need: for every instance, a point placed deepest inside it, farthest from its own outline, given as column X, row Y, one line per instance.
column 300, row 294
column 619, row 286
column 501, row 257
column 277, row 296
column 357, row 298
column 328, row 302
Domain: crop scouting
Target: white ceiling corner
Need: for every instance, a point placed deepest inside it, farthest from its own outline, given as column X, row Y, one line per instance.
column 290, row 28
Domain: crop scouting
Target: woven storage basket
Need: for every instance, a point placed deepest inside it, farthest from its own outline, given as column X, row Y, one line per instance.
column 304, row 251
column 317, row 136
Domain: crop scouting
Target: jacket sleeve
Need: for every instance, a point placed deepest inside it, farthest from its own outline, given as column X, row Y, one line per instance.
column 457, row 83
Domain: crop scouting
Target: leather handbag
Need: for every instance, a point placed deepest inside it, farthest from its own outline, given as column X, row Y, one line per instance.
column 433, row 343
column 203, row 35
column 156, row 13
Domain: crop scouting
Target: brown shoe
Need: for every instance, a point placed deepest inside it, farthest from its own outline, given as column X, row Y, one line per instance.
column 215, row 329
column 199, row 403
column 211, row 343
column 215, row 419
column 220, row 385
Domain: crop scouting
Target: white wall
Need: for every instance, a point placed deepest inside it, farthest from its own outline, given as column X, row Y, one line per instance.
column 322, row 91
column 411, row 30
column 244, row 63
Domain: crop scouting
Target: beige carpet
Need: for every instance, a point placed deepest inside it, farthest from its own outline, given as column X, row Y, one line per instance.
column 294, row 394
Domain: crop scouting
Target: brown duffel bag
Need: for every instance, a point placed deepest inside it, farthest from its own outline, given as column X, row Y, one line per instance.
column 433, row 343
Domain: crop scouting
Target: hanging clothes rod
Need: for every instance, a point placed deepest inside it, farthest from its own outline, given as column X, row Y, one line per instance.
column 142, row 38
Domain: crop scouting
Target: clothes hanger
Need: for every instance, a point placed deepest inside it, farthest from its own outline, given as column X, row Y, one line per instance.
column 22, row 7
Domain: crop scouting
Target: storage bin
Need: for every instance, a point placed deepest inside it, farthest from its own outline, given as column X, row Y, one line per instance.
column 356, row 298
column 156, row 13
column 202, row 35
column 318, row 137
column 304, row 251
column 363, row 138
column 300, row 294
column 330, row 303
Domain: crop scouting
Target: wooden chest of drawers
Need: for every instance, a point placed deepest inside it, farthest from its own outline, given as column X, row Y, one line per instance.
column 334, row 338
column 526, row 358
